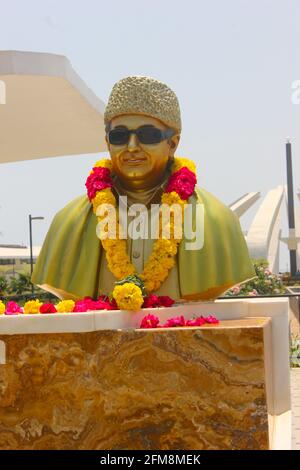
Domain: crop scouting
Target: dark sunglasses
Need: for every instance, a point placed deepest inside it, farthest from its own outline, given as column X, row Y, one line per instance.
column 145, row 134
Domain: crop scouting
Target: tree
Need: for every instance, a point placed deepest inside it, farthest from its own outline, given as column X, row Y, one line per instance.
column 3, row 286
column 20, row 284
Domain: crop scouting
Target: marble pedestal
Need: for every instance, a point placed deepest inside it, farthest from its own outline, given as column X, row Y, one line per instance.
column 122, row 388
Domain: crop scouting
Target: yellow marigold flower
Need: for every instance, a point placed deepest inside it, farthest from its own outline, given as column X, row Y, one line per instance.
column 152, row 285
column 172, row 198
column 105, row 163
column 109, row 244
column 128, row 296
column 65, row 306
column 105, row 196
column 32, row 306
column 120, row 272
column 181, row 162
column 169, row 262
column 164, row 247
column 2, row 307
column 169, row 231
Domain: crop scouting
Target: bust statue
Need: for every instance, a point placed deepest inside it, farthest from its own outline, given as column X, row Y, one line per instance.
column 143, row 127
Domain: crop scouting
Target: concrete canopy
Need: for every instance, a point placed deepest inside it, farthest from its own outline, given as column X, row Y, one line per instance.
column 46, row 110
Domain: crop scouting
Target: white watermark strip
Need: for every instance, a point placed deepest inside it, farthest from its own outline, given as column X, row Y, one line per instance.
column 136, row 225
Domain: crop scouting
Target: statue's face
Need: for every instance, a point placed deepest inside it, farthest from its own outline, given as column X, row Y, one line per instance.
column 137, row 165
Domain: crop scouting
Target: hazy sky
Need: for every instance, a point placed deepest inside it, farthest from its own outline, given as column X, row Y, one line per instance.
column 231, row 63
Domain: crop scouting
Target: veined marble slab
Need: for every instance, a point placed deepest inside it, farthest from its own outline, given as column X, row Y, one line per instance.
column 176, row 388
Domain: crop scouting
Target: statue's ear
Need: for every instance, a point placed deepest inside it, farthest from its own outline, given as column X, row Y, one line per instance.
column 174, row 141
column 107, row 142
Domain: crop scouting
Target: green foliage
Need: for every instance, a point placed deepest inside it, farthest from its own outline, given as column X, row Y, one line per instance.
column 265, row 283
column 3, row 286
column 133, row 278
column 295, row 351
column 19, row 289
column 20, row 284
column 260, row 262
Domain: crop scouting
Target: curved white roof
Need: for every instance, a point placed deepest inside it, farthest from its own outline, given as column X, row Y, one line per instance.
column 46, row 110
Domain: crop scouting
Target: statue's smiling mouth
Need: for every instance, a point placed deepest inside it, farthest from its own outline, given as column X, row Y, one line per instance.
column 134, row 160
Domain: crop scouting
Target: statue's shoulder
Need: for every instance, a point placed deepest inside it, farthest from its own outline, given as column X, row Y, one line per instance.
column 77, row 205
column 213, row 207
column 76, row 208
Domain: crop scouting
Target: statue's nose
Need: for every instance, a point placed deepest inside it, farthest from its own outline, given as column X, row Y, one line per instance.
column 132, row 143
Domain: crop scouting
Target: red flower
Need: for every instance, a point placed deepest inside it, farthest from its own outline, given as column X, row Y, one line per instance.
column 183, row 182
column 165, row 301
column 176, row 321
column 48, row 308
column 99, row 179
column 149, row 321
column 113, row 305
column 151, row 301
column 12, row 308
column 102, row 297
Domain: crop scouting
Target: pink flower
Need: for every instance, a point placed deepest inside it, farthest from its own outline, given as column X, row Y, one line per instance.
column 48, row 308
column 182, row 182
column 236, row 290
column 199, row 321
column 173, row 322
column 253, row 293
column 88, row 304
column 100, row 305
column 149, row 321
column 211, row 319
column 12, row 308
column 99, row 179
column 80, row 306
column 104, row 302
column 165, row 301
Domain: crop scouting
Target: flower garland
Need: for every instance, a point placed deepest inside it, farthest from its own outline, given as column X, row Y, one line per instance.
column 87, row 304
column 179, row 188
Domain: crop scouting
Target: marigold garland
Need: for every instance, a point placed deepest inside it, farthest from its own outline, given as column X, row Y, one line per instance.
column 179, row 188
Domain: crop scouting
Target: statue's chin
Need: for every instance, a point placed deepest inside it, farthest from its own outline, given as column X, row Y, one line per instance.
column 137, row 179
